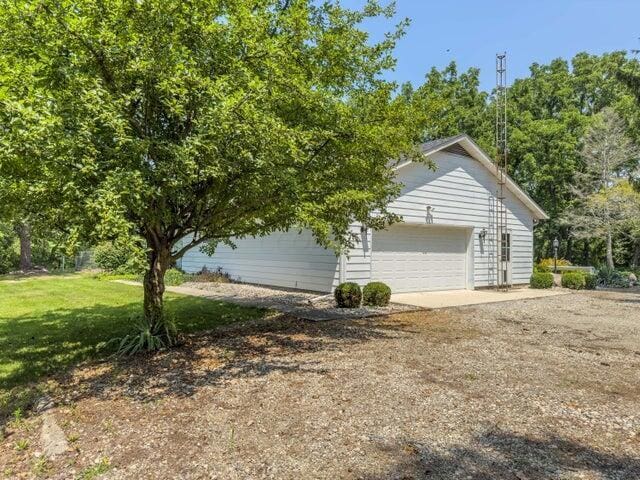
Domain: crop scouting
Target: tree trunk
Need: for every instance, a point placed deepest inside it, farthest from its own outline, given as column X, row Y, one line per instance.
column 159, row 261
column 24, row 233
column 635, row 260
column 568, row 254
column 610, row 251
column 586, row 252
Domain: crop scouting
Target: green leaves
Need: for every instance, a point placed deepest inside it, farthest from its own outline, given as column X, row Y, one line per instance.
column 209, row 119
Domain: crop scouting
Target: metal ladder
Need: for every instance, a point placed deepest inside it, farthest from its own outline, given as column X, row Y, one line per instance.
column 502, row 246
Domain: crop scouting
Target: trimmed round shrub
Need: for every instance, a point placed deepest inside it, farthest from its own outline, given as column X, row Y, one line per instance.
column 573, row 280
column 376, row 294
column 590, row 281
column 348, row 295
column 541, row 280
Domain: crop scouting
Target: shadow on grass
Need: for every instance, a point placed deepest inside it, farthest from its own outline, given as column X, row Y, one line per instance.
column 42, row 343
column 498, row 455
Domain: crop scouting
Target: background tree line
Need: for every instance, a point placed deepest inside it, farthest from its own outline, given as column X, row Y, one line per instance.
column 550, row 114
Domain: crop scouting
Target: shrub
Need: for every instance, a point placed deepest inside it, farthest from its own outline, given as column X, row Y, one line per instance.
column 120, row 257
column 348, row 295
column 9, row 257
column 206, row 275
column 541, row 280
column 147, row 338
column 108, row 257
column 548, row 263
column 173, row 276
column 610, row 277
column 590, row 281
column 376, row 294
column 573, row 280
column 630, row 276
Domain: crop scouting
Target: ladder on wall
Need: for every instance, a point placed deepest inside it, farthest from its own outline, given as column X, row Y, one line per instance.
column 502, row 243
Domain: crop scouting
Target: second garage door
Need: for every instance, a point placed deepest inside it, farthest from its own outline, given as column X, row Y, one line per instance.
column 413, row 258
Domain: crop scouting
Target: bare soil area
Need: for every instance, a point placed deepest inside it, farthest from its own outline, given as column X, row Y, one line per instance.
column 534, row 389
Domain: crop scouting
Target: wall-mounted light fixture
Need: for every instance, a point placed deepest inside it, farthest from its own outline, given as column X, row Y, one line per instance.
column 364, row 239
column 482, row 235
column 556, row 245
column 430, row 211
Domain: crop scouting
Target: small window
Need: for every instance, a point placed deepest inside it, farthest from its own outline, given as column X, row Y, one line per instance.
column 505, row 247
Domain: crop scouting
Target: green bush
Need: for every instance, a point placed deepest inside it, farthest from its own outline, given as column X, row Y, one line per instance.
column 590, row 281
column 173, row 276
column 216, row 276
column 612, row 278
column 121, row 258
column 574, row 280
column 541, row 280
column 348, row 295
column 9, row 257
column 376, row 294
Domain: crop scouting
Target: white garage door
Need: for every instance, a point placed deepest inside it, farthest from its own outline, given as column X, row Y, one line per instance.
column 412, row 259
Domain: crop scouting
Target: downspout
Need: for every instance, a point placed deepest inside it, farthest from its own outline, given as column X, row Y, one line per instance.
column 342, row 268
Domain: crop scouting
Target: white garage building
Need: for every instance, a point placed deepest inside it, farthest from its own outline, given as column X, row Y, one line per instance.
column 448, row 238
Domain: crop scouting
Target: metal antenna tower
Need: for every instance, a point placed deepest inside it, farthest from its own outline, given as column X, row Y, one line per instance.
column 503, row 236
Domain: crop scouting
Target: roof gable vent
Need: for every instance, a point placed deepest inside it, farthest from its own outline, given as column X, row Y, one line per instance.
column 457, row 149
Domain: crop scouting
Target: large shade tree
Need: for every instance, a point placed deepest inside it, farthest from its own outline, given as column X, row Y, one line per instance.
column 194, row 122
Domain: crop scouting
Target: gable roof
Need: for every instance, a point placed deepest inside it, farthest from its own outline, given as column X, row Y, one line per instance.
column 453, row 144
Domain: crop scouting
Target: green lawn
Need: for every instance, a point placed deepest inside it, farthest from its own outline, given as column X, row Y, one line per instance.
column 48, row 323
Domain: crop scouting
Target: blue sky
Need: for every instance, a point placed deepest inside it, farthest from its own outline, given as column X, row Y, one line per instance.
column 472, row 32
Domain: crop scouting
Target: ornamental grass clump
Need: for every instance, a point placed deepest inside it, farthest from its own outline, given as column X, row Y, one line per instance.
column 148, row 337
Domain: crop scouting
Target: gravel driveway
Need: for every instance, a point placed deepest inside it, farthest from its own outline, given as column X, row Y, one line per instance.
column 533, row 389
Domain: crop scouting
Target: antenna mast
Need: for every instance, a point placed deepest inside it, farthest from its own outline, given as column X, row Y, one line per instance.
column 503, row 236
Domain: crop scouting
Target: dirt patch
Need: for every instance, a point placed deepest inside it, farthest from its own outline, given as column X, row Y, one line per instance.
column 534, row 389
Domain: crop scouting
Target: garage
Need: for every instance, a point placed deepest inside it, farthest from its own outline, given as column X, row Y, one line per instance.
column 420, row 258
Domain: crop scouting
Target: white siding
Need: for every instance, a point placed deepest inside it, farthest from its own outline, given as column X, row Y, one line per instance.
column 284, row 259
column 462, row 192
column 358, row 264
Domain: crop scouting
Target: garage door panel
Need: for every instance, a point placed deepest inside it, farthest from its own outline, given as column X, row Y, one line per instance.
column 410, row 258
